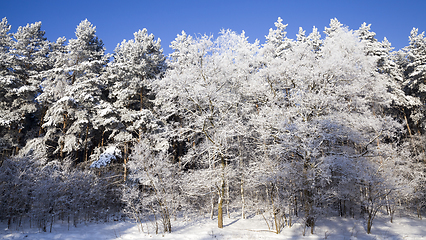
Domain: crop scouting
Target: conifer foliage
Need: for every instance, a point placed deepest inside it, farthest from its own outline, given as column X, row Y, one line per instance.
column 328, row 123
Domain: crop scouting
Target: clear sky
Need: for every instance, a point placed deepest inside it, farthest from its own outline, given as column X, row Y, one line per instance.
column 118, row 20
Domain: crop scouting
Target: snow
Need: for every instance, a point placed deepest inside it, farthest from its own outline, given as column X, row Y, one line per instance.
column 254, row 227
column 65, row 99
column 106, row 111
column 105, row 158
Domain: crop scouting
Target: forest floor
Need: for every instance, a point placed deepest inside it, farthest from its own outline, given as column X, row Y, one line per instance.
column 203, row 228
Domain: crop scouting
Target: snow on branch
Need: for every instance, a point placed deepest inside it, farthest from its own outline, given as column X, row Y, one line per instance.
column 105, row 158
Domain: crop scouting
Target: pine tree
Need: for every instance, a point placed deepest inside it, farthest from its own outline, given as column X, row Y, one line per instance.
column 277, row 41
column 415, row 75
column 23, row 60
column 6, row 81
column 137, row 63
column 334, row 26
column 71, row 92
column 315, row 39
column 411, row 61
column 181, row 54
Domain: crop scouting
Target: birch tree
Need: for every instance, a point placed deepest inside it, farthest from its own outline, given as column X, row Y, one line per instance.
column 204, row 89
column 329, row 117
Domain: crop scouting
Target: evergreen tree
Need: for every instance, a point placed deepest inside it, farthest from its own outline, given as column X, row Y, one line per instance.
column 415, row 77
column 411, row 62
column 22, row 61
column 71, row 92
column 127, row 114
column 276, row 40
column 6, row 81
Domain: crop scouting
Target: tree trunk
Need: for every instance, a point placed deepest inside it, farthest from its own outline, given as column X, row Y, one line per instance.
column 141, row 108
column 61, row 153
column 85, row 144
column 18, row 141
column 310, row 220
column 289, row 215
column 369, row 223
column 43, row 113
column 167, row 226
column 227, row 199
column 344, row 208
column 274, row 210
column 243, row 214
column 295, row 206
column 221, row 195
column 408, row 127
column 141, row 98
column 220, row 212
column 125, row 162
column 212, row 208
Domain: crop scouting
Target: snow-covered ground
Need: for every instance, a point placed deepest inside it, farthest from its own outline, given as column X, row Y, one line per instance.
column 254, row 227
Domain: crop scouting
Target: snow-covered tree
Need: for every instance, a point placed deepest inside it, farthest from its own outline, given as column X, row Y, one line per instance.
column 327, row 117
column 136, row 64
column 22, row 60
column 45, row 192
column 126, row 116
column 181, row 55
column 153, row 186
column 406, row 70
column 5, row 47
column 71, row 92
column 298, row 127
column 204, row 96
column 334, row 26
column 415, row 76
column 277, row 41
column 5, row 81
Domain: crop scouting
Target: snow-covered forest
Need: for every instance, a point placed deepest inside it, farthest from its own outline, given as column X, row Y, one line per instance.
column 330, row 123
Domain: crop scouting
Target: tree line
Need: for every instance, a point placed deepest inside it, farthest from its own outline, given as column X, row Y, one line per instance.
column 292, row 128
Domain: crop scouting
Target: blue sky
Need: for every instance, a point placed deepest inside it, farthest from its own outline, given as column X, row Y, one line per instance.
column 118, row 20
